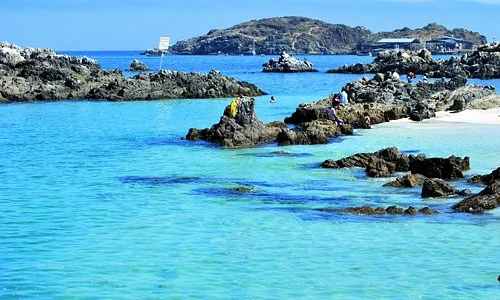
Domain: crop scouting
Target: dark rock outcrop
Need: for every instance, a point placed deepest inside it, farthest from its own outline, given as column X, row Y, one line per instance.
column 287, row 64
column 138, row 65
column 486, row 179
column 238, row 127
column 409, row 181
column 385, row 162
column 381, row 163
column 435, row 187
column 444, row 168
column 481, row 63
column 369, row 210
column 41, row 74
column 487, row 199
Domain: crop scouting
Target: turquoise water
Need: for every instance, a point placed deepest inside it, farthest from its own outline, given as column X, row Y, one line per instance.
column 105, row 200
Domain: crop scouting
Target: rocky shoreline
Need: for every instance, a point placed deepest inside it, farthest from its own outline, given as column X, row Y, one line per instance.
column 34, row 74
column 483, row 63
column 372, row 101
column 433, row 174
column 380, row 99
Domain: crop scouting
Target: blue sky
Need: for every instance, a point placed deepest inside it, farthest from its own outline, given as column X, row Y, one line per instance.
column 137, row 24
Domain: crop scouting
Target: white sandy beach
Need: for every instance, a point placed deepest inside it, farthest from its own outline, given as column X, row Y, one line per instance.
column 476, row 116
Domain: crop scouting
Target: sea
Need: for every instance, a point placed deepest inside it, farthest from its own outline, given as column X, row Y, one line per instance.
column 106, row 200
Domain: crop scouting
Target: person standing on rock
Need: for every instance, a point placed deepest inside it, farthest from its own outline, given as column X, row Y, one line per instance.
column 333, row 113
column 343, row 99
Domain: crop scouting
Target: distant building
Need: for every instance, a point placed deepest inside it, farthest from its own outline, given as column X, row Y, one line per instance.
column 401, row 44
column 449, row 45
column 389, row 44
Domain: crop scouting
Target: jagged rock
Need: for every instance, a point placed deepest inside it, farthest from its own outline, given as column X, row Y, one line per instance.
column 311, row 133
column 238, row 127
column 482, row 63
column 445, row 168
column 385, row 162
column 41, row 74
column 435, row 187
column 409, row 180
column 487, row 199
column 138, row 65
column 486, row 179
column 379, row 167
column 288, row 64
column 420, row 101
column 381, row 163
column 243, row 129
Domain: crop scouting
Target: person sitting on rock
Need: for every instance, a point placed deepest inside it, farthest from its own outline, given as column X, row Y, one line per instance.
column 395, row 75
column 333, row 113
column 410, row 77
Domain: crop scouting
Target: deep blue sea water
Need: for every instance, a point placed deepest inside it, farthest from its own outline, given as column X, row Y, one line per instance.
column 105, row 200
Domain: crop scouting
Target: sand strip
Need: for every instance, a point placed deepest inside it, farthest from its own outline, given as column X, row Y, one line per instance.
column 476, row 116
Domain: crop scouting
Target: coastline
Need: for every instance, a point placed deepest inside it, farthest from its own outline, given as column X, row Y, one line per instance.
column 473, row 116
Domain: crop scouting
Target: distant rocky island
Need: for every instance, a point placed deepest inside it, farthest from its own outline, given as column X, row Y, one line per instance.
column 36, row 74
column 300, row 35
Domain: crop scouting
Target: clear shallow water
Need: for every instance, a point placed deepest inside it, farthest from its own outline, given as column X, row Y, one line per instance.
column 105, row 200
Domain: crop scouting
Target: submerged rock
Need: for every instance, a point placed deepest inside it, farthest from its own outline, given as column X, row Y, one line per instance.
column 369, row 210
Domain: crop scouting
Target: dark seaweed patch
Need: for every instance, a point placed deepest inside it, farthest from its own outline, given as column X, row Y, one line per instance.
column 276, row 154
column 158, row 180
column 257, row 194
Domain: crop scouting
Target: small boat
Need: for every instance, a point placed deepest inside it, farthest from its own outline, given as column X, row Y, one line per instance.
column 364, row 53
